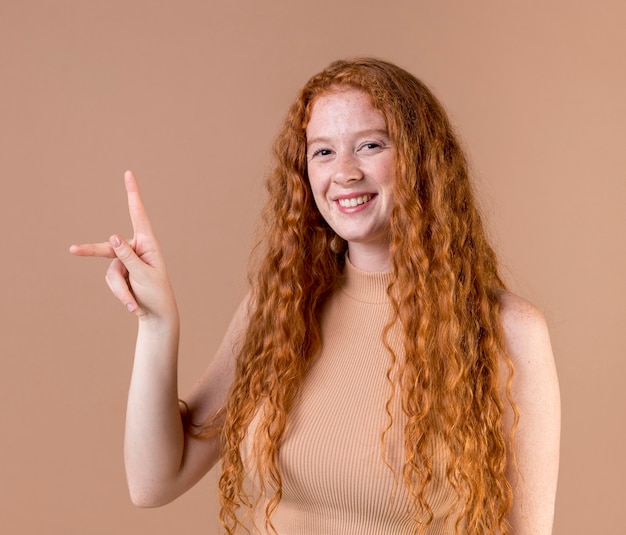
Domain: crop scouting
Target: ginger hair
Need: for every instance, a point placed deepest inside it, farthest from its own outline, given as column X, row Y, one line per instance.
column 444, row 292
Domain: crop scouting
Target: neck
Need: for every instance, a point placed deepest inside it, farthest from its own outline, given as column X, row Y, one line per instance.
column 369, row 259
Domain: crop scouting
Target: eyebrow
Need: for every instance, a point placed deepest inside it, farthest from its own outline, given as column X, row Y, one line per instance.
column 361, row 133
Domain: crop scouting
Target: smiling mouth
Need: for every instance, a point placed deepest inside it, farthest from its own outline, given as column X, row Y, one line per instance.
column 354, row 201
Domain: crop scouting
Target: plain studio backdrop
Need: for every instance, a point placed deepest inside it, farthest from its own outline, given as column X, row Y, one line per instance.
column 189, row 95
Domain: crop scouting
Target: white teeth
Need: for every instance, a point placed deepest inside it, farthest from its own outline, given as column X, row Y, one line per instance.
column 354, row 201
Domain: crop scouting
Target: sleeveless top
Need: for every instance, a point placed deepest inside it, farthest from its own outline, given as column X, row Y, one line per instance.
column 337, row 477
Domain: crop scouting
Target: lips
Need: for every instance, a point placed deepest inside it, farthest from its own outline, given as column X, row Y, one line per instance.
column 354, row 201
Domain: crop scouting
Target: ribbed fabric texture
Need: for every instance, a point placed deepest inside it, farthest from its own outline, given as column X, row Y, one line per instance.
column 335, row 478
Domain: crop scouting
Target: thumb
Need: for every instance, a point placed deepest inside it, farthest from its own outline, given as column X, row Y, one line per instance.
column 126, row 254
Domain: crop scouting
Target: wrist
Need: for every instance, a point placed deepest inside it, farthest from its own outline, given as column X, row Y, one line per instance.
column 161, row 325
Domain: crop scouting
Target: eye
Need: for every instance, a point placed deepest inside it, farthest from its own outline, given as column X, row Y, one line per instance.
column 371, row 146
column 321, row 153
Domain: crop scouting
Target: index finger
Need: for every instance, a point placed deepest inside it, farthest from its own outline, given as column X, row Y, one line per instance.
column 138, row 215
column 103, row 250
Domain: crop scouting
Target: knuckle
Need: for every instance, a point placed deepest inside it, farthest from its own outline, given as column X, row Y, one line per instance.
column 124, row 252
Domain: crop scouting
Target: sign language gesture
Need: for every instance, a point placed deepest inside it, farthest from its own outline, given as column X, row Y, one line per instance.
column 154, row 443
column 137, row 274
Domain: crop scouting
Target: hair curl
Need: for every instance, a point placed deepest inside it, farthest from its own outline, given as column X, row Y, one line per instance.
column 445, row 294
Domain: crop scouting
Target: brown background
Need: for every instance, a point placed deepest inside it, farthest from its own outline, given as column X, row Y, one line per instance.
column 190, row 97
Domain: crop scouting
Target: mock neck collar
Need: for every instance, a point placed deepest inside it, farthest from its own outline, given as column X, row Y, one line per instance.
column 366, row 286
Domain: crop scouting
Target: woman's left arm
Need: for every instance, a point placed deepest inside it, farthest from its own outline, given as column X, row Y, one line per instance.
column 535, row 391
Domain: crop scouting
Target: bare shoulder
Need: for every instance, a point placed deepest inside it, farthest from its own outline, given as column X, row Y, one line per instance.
column 535, row 386
column 520, row 316
column 525, row 331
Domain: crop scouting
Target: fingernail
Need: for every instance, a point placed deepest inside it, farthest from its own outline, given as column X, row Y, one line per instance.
column 115, row 241
column 130, row 307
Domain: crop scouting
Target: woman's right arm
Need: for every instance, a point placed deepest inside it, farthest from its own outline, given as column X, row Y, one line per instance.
column 162, row 459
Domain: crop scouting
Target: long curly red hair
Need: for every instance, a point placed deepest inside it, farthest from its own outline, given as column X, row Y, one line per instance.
column 445, row 295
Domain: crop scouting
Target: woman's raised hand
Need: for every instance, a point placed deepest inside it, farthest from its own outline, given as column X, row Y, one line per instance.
column 137, row 274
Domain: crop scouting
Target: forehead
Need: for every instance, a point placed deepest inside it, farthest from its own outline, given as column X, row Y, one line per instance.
column 344, row 110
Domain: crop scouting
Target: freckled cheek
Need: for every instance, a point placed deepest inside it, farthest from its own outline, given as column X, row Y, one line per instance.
column 318, row 187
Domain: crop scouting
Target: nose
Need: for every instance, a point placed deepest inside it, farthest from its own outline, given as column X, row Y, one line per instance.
column 347, row 168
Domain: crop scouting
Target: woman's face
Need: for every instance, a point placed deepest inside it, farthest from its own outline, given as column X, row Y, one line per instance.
column 350, row 163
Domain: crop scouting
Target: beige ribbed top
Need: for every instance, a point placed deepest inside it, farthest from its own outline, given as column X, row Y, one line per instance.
column 335, row 479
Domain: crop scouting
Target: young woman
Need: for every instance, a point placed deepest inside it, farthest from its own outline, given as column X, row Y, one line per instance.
column 378, row 378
